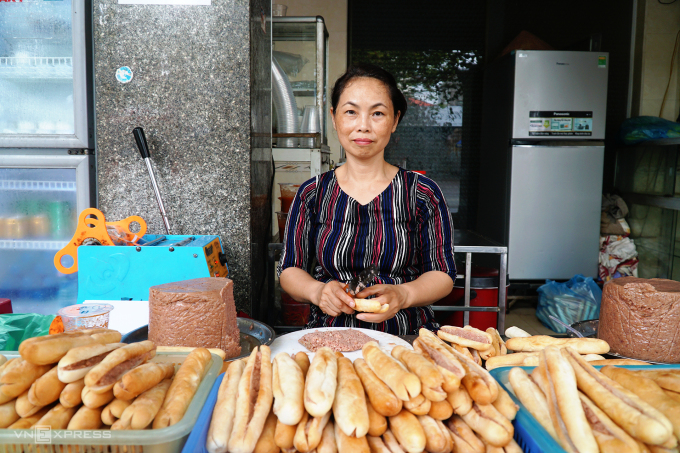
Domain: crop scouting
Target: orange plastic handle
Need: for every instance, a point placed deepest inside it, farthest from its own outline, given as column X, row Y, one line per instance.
column 91, row 224
column 125, row 226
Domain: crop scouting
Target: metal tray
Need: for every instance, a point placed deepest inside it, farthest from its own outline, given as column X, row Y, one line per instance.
column 253, row 333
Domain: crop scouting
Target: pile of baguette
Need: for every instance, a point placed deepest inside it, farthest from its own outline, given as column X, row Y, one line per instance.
column 88, row 380
column 611, row 410
column 527, row 348
column 433, row 398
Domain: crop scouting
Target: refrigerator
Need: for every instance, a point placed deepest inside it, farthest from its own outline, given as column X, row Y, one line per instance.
column 541, row 161
column 46, row 146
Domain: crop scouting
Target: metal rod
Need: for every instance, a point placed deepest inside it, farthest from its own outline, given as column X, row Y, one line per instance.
column 158, row 195
column 154, row 242
column 183, row 242
column 468, row 271
column 502, row 288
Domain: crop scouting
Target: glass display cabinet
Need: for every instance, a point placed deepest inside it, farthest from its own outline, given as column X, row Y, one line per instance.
column 299, row 93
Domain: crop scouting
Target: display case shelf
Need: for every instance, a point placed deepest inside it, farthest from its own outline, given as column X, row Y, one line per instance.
column 17, row 244
column 61, row 186
column 36, row 68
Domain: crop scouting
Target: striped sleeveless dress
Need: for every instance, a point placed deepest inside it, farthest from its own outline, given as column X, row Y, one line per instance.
column 405, row 231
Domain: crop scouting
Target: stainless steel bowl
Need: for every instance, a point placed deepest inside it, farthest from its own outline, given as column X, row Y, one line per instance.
column 253, row 334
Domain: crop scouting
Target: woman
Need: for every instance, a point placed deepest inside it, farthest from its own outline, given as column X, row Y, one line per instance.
column 365, row 212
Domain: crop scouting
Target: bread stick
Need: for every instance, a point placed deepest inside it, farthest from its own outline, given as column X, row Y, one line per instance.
column 288, row 386
column 141, row 413
column 404, row 384
column 382, row 398
column 321, row 382
column 225, row 408
column 349, row 405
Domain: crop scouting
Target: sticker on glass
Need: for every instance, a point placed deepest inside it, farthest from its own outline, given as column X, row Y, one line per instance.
column 124, row 74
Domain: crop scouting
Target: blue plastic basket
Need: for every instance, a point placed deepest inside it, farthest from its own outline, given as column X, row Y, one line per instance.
column 529, row 434
column 199, row 435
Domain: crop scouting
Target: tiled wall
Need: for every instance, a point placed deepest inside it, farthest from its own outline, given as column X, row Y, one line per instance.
column 662, row 23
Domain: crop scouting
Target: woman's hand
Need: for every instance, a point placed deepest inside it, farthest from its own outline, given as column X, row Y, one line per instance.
column 395, row 295
column 332, row 299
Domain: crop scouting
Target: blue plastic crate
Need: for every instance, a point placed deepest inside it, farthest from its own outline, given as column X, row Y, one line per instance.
column 199, row 435
column 529, row 434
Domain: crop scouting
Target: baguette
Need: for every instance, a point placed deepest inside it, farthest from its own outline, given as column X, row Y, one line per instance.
column 516, row 359
column 515, row 332
column 46, row 389
column 665, row 380
column 284, row 436
column 8, row 414
column 346, row 443
column 302, row 359
column 418, row 405
column 225, row 409
column 370, row 306
column 104, row 375
column 79, row 361
column 288, row 386
column 50, row 349
column 505, row 404
column 609, row 437
column 431, row 380
column 616, row 362
column 253, row 402
column 328, row 444
column 532, row 397
column 648, row 391
column 437, row 436
column 477, row 381
column 142, row 378
column 266, row 444
column 94, row 400
column 489, row 424
column 539, row 342
column 184, row 386
column 309, row 431
column 467, row 336
column 217, row 351
column 24, row 407
column 391, row 442
column 498, row 343
column 71, row 396
column 28, row 422
column 463, row 437
column 382, row 398
column 377, row 423
column 463, row 350
column 404, row 384
column 57, row 418
column 321, row 382
column 441, row 410
column 440, row 353
column 460, row 401
column 377, row 445
column 114, row 410
column 86, row 418
column 566, row 412
column 349, row 406
column 626, row 409
column 141, row 413
column 408, row 431
column 18, row 377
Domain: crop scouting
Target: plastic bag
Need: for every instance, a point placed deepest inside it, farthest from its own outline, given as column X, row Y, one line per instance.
column 643, row 128
column 16, row 327
column 576, row 300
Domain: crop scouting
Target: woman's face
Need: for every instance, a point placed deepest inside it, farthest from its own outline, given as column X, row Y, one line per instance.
column 364, row 118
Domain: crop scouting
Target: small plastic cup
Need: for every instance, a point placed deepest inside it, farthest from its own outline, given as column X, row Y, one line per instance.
column 85, row 316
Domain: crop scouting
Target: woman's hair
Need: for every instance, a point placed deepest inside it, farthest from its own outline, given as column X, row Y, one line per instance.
column 374, row 72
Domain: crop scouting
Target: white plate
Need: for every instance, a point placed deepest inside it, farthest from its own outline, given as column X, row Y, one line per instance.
column 289, row 342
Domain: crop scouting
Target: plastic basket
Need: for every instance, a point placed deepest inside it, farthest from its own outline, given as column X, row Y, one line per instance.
column 165, row 440
column 199, row 435
column 529, row 434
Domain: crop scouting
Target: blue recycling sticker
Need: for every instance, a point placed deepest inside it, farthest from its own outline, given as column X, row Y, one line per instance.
column 124, row 74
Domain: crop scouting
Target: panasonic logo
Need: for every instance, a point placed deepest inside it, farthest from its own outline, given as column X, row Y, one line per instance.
column 561, row 113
